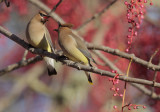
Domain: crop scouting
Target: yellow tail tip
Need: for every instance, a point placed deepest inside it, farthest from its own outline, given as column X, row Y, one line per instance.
column 90, row 82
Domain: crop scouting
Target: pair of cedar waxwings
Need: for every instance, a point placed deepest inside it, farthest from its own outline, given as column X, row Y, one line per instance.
column 72, row 46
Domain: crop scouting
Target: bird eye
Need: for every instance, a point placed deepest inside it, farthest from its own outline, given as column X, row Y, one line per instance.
column 42, row 14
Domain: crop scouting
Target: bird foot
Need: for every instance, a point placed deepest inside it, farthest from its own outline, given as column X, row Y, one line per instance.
column 78, row 66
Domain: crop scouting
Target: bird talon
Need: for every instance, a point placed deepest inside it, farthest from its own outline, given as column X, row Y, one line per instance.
column 77, row 64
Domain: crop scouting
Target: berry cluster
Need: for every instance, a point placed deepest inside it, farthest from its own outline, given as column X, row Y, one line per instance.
column 134, row 106
column 115, row 89
column 135, row 15
column 115, row 81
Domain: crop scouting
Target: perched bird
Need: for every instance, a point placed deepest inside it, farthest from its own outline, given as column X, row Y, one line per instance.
column 73, row 47
column 6, row 2
column 39, row 37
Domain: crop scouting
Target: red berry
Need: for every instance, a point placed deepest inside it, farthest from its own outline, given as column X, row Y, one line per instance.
column 115, row 107
column 142, row 5
column 127, row 50
column 135, row 33
column 128, row 36
column 129, row 108
column 126, row 3
column 121, row 95
column 117, row 89
column 110, row 79
column 130, row 29
column 144, row 107
column 114, row 94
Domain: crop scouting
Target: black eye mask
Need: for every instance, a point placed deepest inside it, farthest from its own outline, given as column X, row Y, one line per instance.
column 42, row 15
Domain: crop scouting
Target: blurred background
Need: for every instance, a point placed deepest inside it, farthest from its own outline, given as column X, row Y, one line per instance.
column 30, row 89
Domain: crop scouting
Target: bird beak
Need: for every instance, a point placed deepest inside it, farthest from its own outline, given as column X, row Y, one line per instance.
column 45, row 19
column 55, row 30
column 59, row 24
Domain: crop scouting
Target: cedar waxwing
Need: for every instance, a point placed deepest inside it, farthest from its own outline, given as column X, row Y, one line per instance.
column 73, row 47
column 39, row 37
column 6, row 2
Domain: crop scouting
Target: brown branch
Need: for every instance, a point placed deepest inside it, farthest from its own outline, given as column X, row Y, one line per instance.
column 73, row 64
column 154, row 80
column 95, row 16
column 20, row 64
column 107, row 61
column 55, row 7
column 42, row 6
column 25, row 55
column 153, row 55
column 124, row 55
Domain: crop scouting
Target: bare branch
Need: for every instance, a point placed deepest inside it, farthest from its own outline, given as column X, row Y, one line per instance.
column 150, row 61
column 25, row 55
column 124, row 55
column 154, row 80
column 20, row 64
column 95, row 16
column 55, row 7
column 42, row 6
column 107, row 61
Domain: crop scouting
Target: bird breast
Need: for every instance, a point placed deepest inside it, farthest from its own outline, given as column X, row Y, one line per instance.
column 36, row 33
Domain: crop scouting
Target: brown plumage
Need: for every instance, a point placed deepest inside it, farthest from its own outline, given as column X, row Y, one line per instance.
column 73, row 47
column 38, row 36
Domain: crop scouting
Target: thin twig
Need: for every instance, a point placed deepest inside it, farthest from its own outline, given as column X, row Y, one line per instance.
column 125, row 85
column 20, row 64
column 124, row 55
column 153, row 55
column 25, row 55
column 154, row 80
column 107, row 61
column 55, row 7
column 42, row 6
column 95, row 16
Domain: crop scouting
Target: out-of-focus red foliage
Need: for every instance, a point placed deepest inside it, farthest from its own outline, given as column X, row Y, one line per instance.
column 20, row 5
column 69, row 11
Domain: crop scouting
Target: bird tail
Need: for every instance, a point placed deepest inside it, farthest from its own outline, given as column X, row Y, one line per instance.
column 89, row 78
column 50, row 66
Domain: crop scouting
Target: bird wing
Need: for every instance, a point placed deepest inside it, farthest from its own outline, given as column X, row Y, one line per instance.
column 48, row 37
column 69, row 46
column 82, row 47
